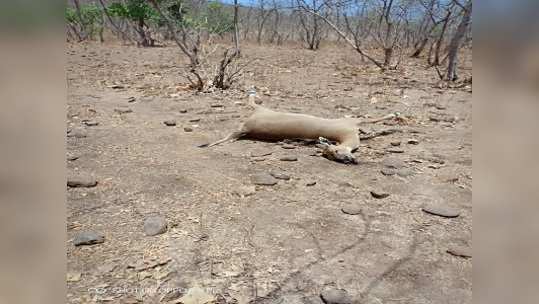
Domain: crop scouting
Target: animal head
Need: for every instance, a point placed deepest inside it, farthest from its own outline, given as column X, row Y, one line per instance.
column 338, row 153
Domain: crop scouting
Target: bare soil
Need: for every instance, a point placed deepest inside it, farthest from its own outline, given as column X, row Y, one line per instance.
column 276, row 244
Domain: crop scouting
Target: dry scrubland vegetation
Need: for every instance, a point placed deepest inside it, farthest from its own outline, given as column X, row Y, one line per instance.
column 149, row 81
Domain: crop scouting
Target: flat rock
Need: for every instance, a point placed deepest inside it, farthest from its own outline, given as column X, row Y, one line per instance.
column 379, row 194
column 351, row 210
column 194, row 120
column 288, row 146
column 280, row 175
column 188, row 129
column 155, row 225
column 90, row 123
column 183, row 110
column 413, row 141
column 395, row 143
column 460, row 251
column 288, row 158
column 216, row 105
column 88, row 238
column 76, row 134
column 404, row 172
column 395, row 150
column 335, row 296
column 439, row 210
column 245, row 191
column 169, row 123
column 263, row 179
column 81, row 182
column 392, row 162
column 261, row 153
column 388, row 171
column 123, row 110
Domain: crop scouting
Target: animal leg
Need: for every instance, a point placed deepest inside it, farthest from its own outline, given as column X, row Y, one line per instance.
column 232, row 136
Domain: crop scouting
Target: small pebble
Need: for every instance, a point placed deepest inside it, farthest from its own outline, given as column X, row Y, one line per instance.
column 76, row 134
column 460, row 251
column 155, row 225
column 288, row 158
column 123, row 111
column 395, row 143
column 90, row 123
column 81, row 182
column 280, row 175
column 72, row 157
column 413, row 141
column 379, row 194
column 388, row 171
column 131, row 99
column 310, row 183
column 439, row 210
column 188, row 129
column 169, row 123
column 288, row 146
column 395, row 150
column 194, row 120
column 216, row 105
column 88, row 238
column 351, row 210
column 263, row 179
column 335, row 296
column 183, row 111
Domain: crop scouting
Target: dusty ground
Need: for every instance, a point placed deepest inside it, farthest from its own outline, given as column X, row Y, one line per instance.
column 282, row 243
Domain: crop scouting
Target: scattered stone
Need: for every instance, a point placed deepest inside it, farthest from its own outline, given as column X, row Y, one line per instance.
column 116, row 86
column 76, row 134
column 348, row 89
column 196, row 295
column 395, row 143
column 90, row 123
column 123, row 110
column 73, row 276
column 188, row 129
column 155, row 225
column 288, row 158
column 169, row 123
column 443, row 211
column 392, row 162
column 280, row 175
column 263, row 179
column 310, row 183
column 335, row 296
column 216, row 105
column 72, row 157
column 245, row 191
column 288, row 146
column 81, row 182
column 351, row 210
column 404, row 172
column 183, row 111
column 379, row 194
column 131, row 99
column 194, row 120
column 395, row 150
column 388, row 171
column 460, row 251
column 413, row 141
column 88, row 238
column 261, row 153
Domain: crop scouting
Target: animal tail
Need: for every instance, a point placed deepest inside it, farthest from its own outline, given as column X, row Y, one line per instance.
column 232, row 136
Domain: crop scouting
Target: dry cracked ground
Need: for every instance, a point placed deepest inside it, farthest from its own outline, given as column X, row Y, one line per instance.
column 317, row 229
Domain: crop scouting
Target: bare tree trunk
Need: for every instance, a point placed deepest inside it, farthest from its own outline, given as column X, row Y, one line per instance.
column 236, row 37
column 83, row 35
column 454, row 45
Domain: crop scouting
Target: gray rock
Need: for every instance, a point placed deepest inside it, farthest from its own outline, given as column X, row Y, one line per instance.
column 261, row 153
column 280, row 175
column 76, row 134
column 460, row 251
column 439, row 210
column 169, row 123
column 388, row 171
column 90, row 123
column 351, row 210
column 405, row 172
column 88, row 238
column 155, row 225
column 288, row 158
column 379, row 194
column 263, row 179
column 81, row 182
column 123, row 110
column 392, row 162
column 335, row 296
